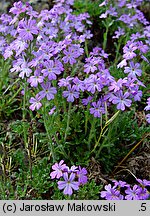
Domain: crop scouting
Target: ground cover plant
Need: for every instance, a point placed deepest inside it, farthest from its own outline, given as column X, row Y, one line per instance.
column 75, row 101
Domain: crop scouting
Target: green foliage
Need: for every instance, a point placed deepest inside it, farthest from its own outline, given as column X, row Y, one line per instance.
column 18, row 125
column 7, row 190
column 31, row 142
column 92, row 7
column 89, row 191
column 122, row 135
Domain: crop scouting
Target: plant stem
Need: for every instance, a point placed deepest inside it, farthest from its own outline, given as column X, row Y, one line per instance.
column 30, row 160
column 117, row 51
column 105, row 38
column 48, row 134
column 68, row 121
column 3, row 161
column 91, row 131
column 25, row 132
column 86, row 118
column 103, row 128
column 24, row 117
column 86, row 48
column 11, row 99
column 100, row 136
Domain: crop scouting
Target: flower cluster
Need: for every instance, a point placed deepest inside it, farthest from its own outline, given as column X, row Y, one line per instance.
column 47, row 47
column 69, row 178
column 123, row 191
column 127, row 15
column 147, row 108
column 121, row 11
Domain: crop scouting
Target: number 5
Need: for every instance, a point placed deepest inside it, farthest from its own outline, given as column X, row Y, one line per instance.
column 143, row 206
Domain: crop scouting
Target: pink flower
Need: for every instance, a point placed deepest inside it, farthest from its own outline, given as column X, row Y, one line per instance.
column 58, row 169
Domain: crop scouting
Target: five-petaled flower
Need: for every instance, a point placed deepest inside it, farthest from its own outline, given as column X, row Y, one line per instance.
column 27, row 28
column 121, row 99
column 58, row 169
column 69, row 184
column 35, row 103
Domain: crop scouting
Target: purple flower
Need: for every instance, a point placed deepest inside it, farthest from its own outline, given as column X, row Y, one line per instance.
column 134, row 69
column 129, row 49
column 132, row 194
column 120, row 184
column 73, row 169
column 2, row 44
column 30, row 10
column 51, row 70
column 137, row 94
column 119, row 33
column 8, row 52
column 141, row 17
column 58, row 170
column 90, row 65
column 98, row 109
column 148, row 105
column 129, row 20
column 25, row 71
column 17, row 8
column 147, row 108
column 34, row 80
column 19, row 46
column 47, row 91
column 50, row 30
column 45, row 15
column 35, row 103
column 121, row 100
column 143, row 194
column 116, row 86
column 17, row 65
column 131, row 5
column 144, row 182
column 103, row 54
column 5, row 18
column 131, row 84
column 135, row 36
column 79, row 85
column 71, row 94
column 65, row 81
column 72, row 53
column 103, row 15
column 38, row 58
column 96, row 51
column 88, row 34
column 111, row 193
column 93, row 83
column 112, row 11
column 82, row 175
column 144, row 58
column 103, row 3
column 52, row 110
column 85, row 101
column 68, row 184
column 26, row 29
column 148, row 118
column 122, row 63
